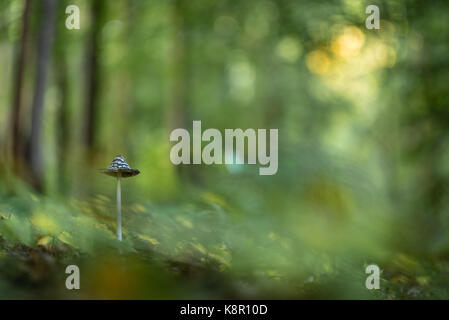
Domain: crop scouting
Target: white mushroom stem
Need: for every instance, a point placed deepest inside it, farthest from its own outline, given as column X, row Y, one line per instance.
column 119, row 210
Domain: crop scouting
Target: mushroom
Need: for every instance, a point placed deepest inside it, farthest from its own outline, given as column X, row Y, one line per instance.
column 119, row 168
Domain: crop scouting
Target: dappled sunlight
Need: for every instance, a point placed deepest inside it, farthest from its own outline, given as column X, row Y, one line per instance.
column 349, row 43
column 289, row 49
column 318, row 62
column 241, row 78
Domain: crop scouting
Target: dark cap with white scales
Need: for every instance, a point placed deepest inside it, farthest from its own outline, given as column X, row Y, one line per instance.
column 120, row 168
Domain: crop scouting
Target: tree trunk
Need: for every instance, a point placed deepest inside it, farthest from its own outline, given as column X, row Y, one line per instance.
column 43, row 57
column 63, row 116
column 176, row 113
column 16, row 138
column 93, row 79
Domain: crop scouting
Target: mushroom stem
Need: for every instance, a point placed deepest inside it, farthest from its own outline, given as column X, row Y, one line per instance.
column 119, row 210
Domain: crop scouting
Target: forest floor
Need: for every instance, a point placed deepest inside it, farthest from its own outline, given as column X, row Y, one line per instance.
column 39, row 238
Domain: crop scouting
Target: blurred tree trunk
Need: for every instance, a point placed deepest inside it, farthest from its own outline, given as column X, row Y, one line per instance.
column 93, row 77
column 43, row 57
column 177, row 113
column 428, row 119
column 124, row 80
column 16, row 139
column 63, row 127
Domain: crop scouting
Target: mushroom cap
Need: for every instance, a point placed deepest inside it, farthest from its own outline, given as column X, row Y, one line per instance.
column 120, row 168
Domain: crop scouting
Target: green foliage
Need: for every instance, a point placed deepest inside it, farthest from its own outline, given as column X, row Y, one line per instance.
column 363, row 152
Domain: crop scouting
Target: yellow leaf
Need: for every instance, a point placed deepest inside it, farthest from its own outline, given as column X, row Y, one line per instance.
column 151, row 240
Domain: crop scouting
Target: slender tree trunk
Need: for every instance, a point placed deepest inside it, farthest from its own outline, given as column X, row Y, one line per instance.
column 16, row 138
column 93, row 76
column 43, row 57
column 124, row 79
column 176, row 113
column 63, row 116
column 63, row 123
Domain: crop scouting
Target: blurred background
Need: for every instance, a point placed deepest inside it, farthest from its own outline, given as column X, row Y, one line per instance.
column 363, row 149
